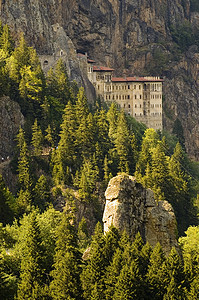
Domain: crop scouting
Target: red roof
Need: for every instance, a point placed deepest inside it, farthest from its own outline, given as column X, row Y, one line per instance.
column 99, row 69
column 91, row 61
column 81, row 54
column 138, row 79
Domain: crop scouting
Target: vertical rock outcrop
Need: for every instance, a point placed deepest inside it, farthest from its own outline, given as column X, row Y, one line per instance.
column 131, row 207
column 10, row 120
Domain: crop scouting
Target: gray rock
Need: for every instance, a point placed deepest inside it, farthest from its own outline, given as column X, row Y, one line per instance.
column 10, row 120
column 131, row 207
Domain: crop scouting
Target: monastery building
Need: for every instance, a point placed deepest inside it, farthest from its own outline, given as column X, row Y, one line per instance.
column 140, row 97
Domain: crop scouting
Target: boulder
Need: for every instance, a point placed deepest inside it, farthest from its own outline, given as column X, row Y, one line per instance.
column 131, row 207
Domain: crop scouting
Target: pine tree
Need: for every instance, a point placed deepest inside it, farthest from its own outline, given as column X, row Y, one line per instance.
column 159, row 173
column 92, row 276
column 149, row 142
column 112, row 273
column 85, row 136
column 58, row 84
column 37, row 139
column 83, row 236
column 122, row 143
column 87, row 180
column 6, row 41
column 112, row 117
column 41, row 193
column 81, row 106
column 23, row 165
column 129, row 284
column 31, row 273
column 180, row 194
column 156, row 274
column 49, row 136
column 112, row 238
column 66, row 272
column 21, row 56
column 174, row 276
column 107, row 173
column 7, row 203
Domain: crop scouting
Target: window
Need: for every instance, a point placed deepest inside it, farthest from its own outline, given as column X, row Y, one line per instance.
column 139, row 87
column 129, row 106
column 45, row 62
column 135, row 114
column 140, row 105
column 135, row 96
column 113, row 97
column 128, row 87
column 135, row 105
column 140, row 96
column 128, row 97
column 124, row 105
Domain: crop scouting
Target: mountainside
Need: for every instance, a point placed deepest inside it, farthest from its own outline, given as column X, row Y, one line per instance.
column 133, row 36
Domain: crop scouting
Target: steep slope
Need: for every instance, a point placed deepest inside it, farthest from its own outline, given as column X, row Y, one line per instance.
column 133, row 36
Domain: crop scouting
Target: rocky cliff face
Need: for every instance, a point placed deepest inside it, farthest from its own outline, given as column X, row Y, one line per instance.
column 129, row 206
column 133, row 36
column 10, row 119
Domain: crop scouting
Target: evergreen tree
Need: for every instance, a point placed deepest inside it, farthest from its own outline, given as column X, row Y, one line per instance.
column 87, row 180
column 37, row 139
column 58, row 84
column 107, row 173
column 6, row 41
column 92, row 276
column 149, row 142
column 122, row 143
column 49, row 137
column 156, row 274
column 129, row 284
column 180, row 195
column 112, row 117
column 81, row 106
column 159, row 173
column 179, row 132
column 21, row 56
column 66, row 273
column 31, row 273
column 23, row 165
column 111, row 243
column 112, row 273
column 7, row 203
column 174, row 276
column 85, row 136
column 83, row 236
column 41, row 193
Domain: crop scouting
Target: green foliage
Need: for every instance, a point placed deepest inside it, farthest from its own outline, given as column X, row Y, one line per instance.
column 37, row 139
column 194, row 5
column 7, row 203
column 183, row 35
column 66, row 281
column 31, row 272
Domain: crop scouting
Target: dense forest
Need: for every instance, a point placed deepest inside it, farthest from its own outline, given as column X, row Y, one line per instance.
column 69, row 146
